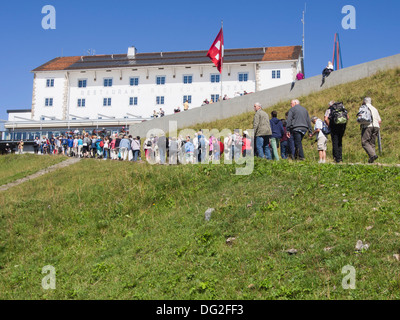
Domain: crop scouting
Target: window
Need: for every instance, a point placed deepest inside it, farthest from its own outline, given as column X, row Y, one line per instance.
column 81, row 102
column 159, row 100
column 49, row 83
column 134, row 81
column 106, row 102
column 215, row 78
column 82, row 83
column 187, row 79
column 243, row 76
column 276, row 74
column 48, row 102
column 188, row 98
column 215, row 97
column 160, row 80
column 108, row 82
column 133, row 101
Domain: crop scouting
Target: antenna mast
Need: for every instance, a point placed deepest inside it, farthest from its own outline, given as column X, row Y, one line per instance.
column 304, row 21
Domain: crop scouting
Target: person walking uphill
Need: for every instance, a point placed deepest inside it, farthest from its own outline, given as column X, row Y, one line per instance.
column 336, row 118
column 369, row 129
column 262, row 132
column 277, row 133
column 298, row 123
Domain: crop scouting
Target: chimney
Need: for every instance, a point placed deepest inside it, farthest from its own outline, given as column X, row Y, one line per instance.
column 131, row 52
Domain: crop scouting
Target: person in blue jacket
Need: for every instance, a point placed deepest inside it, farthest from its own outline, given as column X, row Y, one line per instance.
column 70, row 145
column 277, row 134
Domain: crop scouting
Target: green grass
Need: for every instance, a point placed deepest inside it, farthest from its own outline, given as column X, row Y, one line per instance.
column 17, row 166
column 117, row 230
column 383, row 88
column 120, row 230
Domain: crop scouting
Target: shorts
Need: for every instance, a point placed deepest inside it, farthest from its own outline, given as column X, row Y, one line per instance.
column 322, row 142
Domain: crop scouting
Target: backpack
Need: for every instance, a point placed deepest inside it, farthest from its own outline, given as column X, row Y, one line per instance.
column 338, row 113
column 364, row 115
column 325, row 129
column 101, row 144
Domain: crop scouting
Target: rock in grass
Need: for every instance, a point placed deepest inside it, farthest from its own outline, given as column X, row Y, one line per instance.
column 230, row 240
column 361, row 246
column 208, row 213
column 291, row 251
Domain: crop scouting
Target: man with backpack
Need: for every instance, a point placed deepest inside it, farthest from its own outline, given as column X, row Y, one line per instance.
column 369, row 119
column 336, row 118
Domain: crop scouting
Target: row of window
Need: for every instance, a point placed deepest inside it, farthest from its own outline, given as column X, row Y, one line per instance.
column 161, row 80
column 133, row 101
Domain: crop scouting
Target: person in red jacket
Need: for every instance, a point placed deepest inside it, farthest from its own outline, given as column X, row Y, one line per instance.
column 246, row 145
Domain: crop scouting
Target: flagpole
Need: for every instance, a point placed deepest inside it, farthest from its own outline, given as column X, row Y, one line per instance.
column 222, row 26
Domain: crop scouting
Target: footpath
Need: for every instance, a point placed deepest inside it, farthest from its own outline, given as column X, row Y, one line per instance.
column 42, row 172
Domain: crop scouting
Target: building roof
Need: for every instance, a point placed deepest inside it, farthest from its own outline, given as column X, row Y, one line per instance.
column 170, row 58
column 282, row 53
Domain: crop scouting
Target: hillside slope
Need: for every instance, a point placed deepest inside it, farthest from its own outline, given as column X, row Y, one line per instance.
column 383, row 88
column 122, row 230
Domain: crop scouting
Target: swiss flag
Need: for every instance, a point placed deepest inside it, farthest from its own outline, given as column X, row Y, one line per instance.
column 216, row 52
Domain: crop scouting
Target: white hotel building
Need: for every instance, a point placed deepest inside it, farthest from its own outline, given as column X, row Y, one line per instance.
column 120, row 89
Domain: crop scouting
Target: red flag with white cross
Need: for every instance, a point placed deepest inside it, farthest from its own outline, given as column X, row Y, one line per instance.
column 216, row 52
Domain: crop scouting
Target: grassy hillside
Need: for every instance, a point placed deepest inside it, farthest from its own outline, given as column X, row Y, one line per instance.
column 117, row 230
column 17, row 166
column 383, row 88
column 120, row 230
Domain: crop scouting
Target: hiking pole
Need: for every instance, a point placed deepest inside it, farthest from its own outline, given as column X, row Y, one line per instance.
column 379, row 142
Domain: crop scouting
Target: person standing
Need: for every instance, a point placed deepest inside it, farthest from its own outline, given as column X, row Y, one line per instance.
column 189, row 151
column 262, row 131
column 290, row 141
column 106, row 148
column 173, row 151
column 277, row 133
column 70, row 146
column 52, row 141
column 284, row 141
column 336, row 118
column 21, row 147
column 246, row 145
column 162, row 144
column 321, row 138
column 298, row 123
column 113, row 150
column 186, row 105
column 36, row 145
column 124, row 147
column 370, row 132
column 135, row 148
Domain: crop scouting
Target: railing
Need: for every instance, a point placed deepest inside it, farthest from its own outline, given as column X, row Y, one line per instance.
column 30, row 135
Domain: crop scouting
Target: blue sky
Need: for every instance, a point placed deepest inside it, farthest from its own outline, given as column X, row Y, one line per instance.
column 153, row 26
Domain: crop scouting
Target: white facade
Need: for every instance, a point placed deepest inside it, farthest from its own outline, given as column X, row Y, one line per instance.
column 82, row 94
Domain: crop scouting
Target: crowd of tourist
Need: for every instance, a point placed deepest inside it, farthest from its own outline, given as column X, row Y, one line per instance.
column 289, row 132
column 270, row 135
